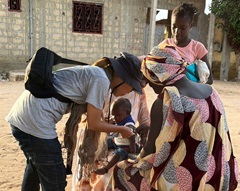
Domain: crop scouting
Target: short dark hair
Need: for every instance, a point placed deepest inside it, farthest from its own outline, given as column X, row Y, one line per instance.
column 123, row 103
column 185, row 9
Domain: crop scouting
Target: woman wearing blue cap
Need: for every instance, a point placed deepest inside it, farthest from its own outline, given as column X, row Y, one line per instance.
column 33, row 120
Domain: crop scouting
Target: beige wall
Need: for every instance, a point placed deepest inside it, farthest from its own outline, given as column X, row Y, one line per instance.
column 124, row 24
column 124, row 29
column 13, row 34
column 217, row 44
column 171, row 4
column 201, row 25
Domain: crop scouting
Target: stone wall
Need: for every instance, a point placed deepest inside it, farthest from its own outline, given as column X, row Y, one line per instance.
column 124, row 24
column 202, row 21
column 14, row 37
column 124, row 29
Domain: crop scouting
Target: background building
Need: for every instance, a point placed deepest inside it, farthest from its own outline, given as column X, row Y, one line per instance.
column 82, row 30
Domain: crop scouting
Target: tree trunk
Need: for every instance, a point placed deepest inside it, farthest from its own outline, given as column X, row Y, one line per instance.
column 238, row 64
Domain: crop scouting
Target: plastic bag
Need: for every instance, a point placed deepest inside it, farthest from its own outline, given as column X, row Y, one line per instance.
column 203, row 71
column 198, row 71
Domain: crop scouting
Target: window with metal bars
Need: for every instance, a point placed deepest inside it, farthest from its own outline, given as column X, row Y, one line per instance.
column 14, row 5
column 87, row 17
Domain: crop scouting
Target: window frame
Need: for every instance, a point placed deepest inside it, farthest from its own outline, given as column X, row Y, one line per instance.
column 18, row 9
column 92, row 6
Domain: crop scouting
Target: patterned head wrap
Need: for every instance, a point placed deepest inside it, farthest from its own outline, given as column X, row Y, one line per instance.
column 163, row 66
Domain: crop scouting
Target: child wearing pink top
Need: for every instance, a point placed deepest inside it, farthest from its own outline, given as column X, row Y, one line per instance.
column 191, row 50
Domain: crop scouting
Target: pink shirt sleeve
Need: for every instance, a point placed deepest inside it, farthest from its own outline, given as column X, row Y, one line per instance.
column 193, row 51
column 198, row 48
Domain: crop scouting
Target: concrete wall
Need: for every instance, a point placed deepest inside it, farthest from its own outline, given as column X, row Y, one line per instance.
column 124, row 29
column 217, row 46
column 171, row 4
column 124, row 24
column 200, row 31
column 14, row 37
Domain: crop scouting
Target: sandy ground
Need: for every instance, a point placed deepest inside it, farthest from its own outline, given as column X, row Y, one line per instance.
column 12, row 161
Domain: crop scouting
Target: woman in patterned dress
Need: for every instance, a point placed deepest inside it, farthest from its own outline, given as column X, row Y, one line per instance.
column 189, row 145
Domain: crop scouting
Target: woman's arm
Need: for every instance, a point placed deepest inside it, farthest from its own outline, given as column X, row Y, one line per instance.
column 156, row 117
column 210, row 78
column 95, row 123
column 132, row 145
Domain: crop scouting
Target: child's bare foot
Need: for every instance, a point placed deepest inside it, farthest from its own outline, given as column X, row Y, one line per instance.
column 101, row 171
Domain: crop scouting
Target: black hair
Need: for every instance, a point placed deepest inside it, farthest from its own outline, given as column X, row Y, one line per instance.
column 123, row 103
column 185, row 9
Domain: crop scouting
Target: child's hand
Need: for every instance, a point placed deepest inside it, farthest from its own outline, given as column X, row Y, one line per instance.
column 142, row 129
column 101, row 171
column 132, row 158
column 131, row 161
column 111, row 120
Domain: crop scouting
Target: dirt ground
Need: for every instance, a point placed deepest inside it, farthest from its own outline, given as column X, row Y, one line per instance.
column 12, row 161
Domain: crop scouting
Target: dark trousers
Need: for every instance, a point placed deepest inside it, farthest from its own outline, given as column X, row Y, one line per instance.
column 44, row 165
